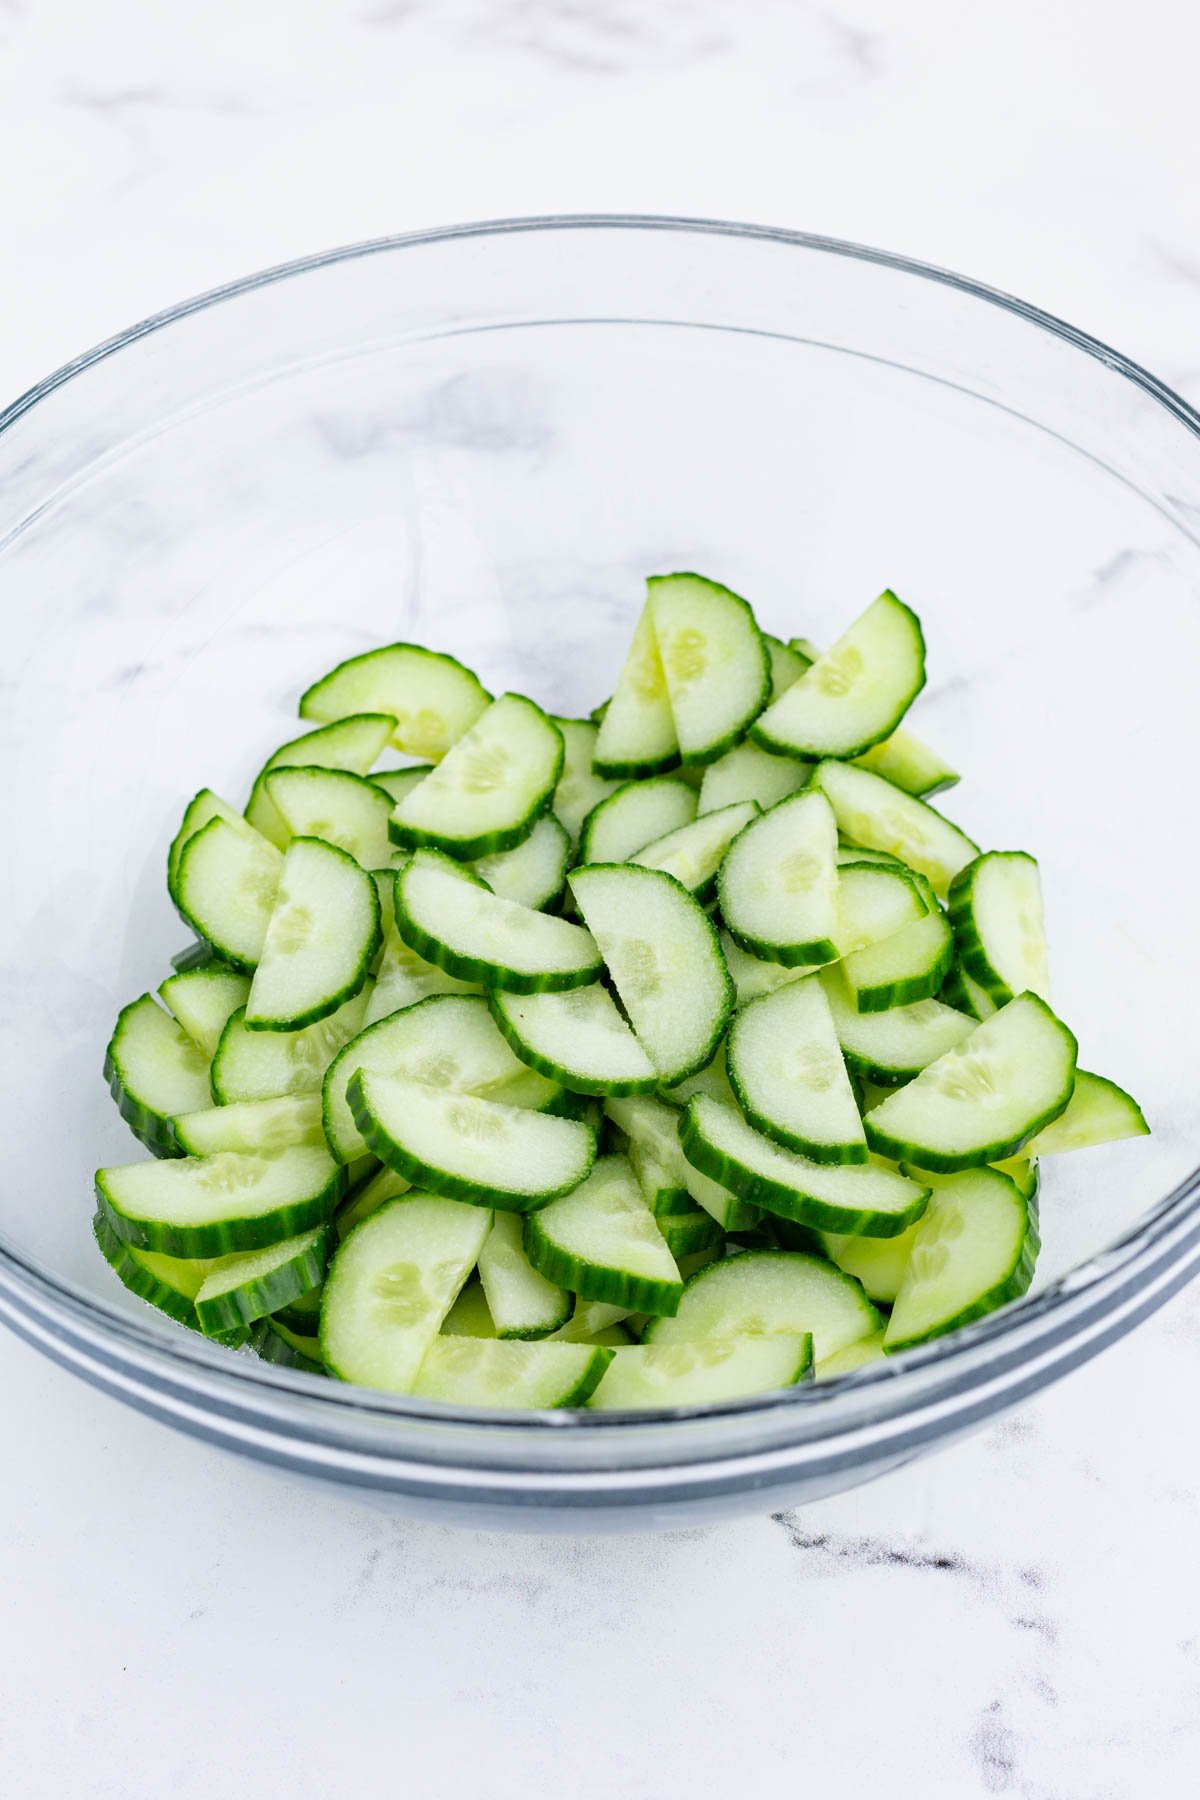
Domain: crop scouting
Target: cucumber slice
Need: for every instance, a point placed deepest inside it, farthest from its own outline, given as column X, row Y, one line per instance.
column 748, row 773
column 195, row 956
column 200, row 809
column 467, row 1148
column 225, row 889
column 907, row 763
column 353, row 743
column 303, row 1315
column 242, row 1289
column 787, row 1074
column 579, row 788
column 396, row 783
column 433, row 698
column 717, row 668
column 702, row 1374
column 637, row 728
column 687, row 1233
column 154, row 1070
column 879, row 1263
column 910, row 965
column 664, row 959
column 590, row 1320
column 959, row 991
column 787, row 664
column 869, row 1200
column 362, row 1201
column 252, row 1125
column 891, row 1047
column 170, row 1283
column 855, row 694
column 655, row 1126
column 535, row 872
column 521, row 1302
column 636, row 814
column 578, row 1039
column 1098, row 1112
column 995, row 907
column 872, row 812
column 985, row 1098
column 1024, row 1169
column 778, row 883
column 466, row 1371
column 694, row 853
column 212, row 1205
column 288, row 1349
column 975, row 1250
column 751, row 976
column 448, row 1041
column 476, row 936
column 492, row 787
column 203, row 999
column 259, row 1065
column 854, row 1356
column 712, row 1079
column 602, row 1242
column 323, row 933
column 403, row 976
column 337, row 807
column 662, row 1192
column 770, row 1293
column 391, row 1284
column 469, row 1316
column 874, row 902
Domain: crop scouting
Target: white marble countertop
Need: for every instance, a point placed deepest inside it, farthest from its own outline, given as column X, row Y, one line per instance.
column 1017, row 1616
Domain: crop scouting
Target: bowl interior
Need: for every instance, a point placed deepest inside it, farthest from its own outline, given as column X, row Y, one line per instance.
column 486, row 446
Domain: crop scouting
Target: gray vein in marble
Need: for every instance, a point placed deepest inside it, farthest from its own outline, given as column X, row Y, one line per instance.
column 464, row 412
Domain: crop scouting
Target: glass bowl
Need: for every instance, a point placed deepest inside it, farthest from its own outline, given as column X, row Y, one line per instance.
column 483, row 439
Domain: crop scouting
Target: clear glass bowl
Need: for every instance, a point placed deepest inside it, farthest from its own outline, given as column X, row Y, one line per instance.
column 484, row 439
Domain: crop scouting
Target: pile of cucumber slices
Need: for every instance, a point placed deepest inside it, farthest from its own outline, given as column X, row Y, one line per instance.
column 655, row 1059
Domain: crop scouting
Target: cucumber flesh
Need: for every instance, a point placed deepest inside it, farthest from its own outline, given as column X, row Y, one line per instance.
column 602, row 1242
column 856, row 693
column 339, row 808
column 716, row 666
column 579, row 788
column 974, row 1250
column 200, row 809
column 214, row 1205
column 637, row 732
column 226, row 886
column 433, row 699
column 323, row 933
column 879, row 1263
column 749, row 773
column 476, row 936
column 154, row 1070
column 352, row 743
column 890, row 1047
column 1098, row 1112
column 655, row 1126
column 788, row 1076
column 910, row 965
column 787, row 664
column 469, row 1316
column 492, row 787
column 694, row 853
column 958, row 990
column 395, row 783
column 701, row 1374
column 521, row 1302
column 874, row 902
column 751, row 976
column 854, row 1356
column 366, row 1199
column 259, row 1065
column 252, row 1125
column 778, row 883
column 577, row 1038
column 870, row 811
column 995, row 907
column 767, row 1293
column 203, row 999
column 907, row 763
column 636, row 814
column 470, row 1371
column 170, row 1283
column 534, row 872
column 242, row 1289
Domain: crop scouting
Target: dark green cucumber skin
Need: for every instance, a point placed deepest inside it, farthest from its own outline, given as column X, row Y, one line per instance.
column 272, row 763
column 245, row 1306
column 223, row 1236
column 783, row 747
column 274, row 1348
column 588, row 828
column 567, row 1078
column 437, row 1181
column 298, row 1317
column 473, row 968
column 711, row 1268
column 688, row 1233
column 484, row 843
column 139, row 1281
column 568, row 1105
column 953, row 992
column 590, row 1380
column 1012, row 1287
column 367, row 656
column 699, row 759
column 960, row 905
column 221, row 952
column 839, row 1154
column 194, row 957
column 149, row 1128
column 792, row 1235
column 615, row 1286
column 354, row 985
column 790, row 956
column 788, row 1203
column 908, row 989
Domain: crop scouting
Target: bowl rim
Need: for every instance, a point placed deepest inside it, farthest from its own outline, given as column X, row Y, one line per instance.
column 1065, row 1321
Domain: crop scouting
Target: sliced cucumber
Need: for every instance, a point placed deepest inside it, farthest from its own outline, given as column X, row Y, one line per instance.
column 655, row 1125
column 521, row 1302
column 469, row 1316
column 535, row 872
column 787, row 663
column 601, row 1241
column 259, row 1065
column 213, row 1205
column 751, row 976
column 323, row 933
column 448, row 1041
column 702, row 1374
column 252, row 1125
column 337, row 807
column 302, row 1315
column 907, row 763
column 391, row 1284
column 194, row 956
column 242, row 1289
column 225, row 888
column 874, row 902
column 869, row 1200
column 469, row 1371
column 958, row 990
column 636, row 814
column 687, row 1233
column 872, row 812
column 204, row 806
column 995, row 907
column 579, row 788
column 694, row 853
column 154, row 1070
column 664, row 959
column 1098, row 1112
column 910, row 965
column 712, row 1079
column 854, row 1356
column 170, row 1283
column 433, row 699
column 637, row 730
column 855, row 694
column 663, row 1193
column 353, row 743
column 578, row 1039
column 748, row 773
column 891, row 1047
column 590, row 1320
column 492, row 787
column 404, row 977
column 203, row 1000
column 396, row 783
column 975, row 1250
column 778, row 883
column 985, row 1098
column 467, row 1148
column 366, row 1199
column 1024, row 1169
column 879, row 1263
column 476, row 936
column 787, row 1073
column 278, row 1343
column 770, row 1293
column 717, row 669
